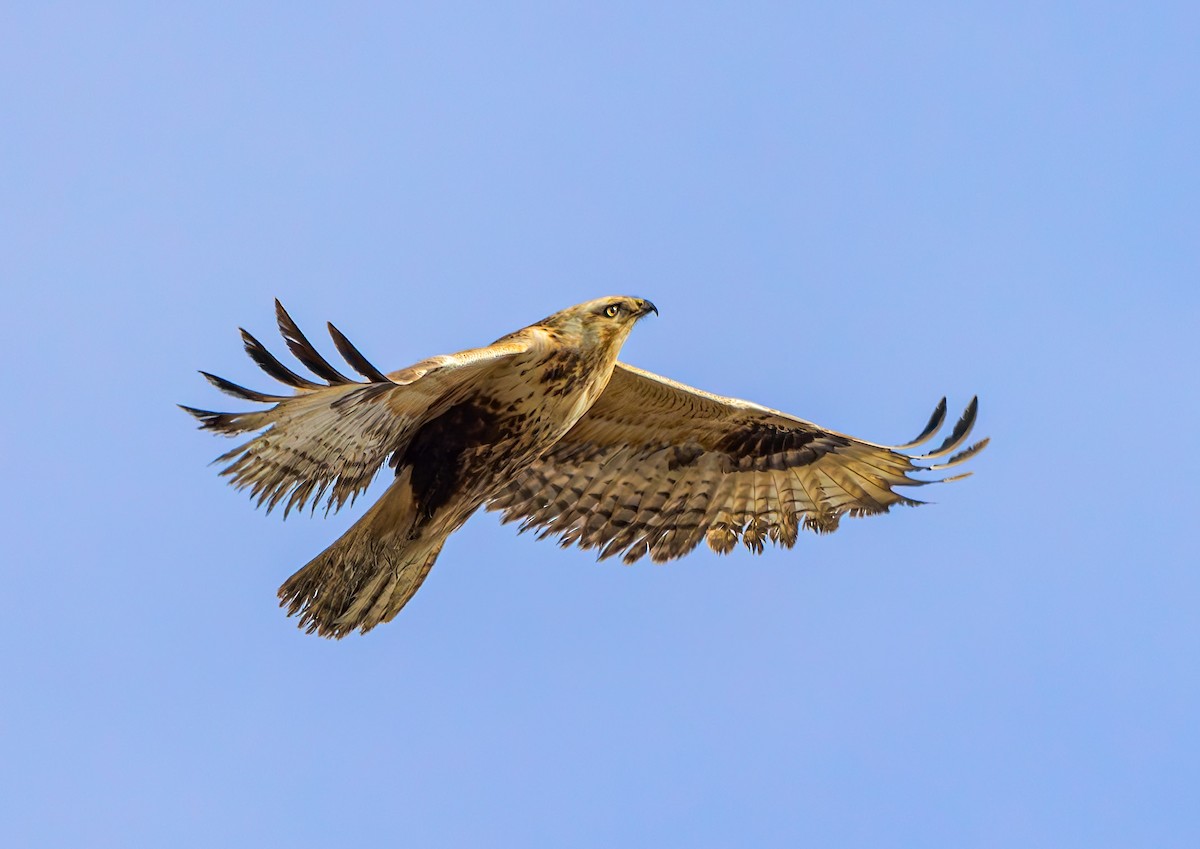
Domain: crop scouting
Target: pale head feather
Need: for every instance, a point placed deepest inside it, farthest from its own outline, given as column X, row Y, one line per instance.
column 600, row 324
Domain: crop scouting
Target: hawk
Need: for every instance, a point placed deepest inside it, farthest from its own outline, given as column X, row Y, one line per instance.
column 547, row 427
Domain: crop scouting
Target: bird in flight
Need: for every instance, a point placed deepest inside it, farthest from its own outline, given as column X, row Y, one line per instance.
column 547, row 427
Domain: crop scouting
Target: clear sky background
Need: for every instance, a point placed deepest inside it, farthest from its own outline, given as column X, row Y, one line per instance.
column 844, row 211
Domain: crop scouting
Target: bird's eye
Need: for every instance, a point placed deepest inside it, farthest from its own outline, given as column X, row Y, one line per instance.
column 611, row 310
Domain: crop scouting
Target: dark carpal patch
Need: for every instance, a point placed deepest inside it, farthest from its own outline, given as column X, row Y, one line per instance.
column 684, row 456
column 754, row 445
column 437, row 453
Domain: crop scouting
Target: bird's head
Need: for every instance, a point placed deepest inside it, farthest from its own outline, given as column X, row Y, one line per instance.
column 602, row 324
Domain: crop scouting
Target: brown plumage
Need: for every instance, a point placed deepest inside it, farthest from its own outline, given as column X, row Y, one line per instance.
column 546, row 426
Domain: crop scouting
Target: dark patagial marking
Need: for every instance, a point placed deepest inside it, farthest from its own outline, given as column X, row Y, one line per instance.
column 437, row 452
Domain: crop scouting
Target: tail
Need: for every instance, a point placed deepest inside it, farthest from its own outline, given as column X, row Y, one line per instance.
column 370, row 573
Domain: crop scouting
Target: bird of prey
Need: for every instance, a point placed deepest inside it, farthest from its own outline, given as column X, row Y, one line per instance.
column 547, row 427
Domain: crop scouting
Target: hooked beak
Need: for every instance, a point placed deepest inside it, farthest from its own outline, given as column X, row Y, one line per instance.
column 646, row 307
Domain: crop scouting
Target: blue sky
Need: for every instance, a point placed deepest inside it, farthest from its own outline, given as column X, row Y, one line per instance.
column 841, row 211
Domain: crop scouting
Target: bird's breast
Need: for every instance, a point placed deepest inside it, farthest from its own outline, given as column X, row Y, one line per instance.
column 554, row 390
column 460, row 457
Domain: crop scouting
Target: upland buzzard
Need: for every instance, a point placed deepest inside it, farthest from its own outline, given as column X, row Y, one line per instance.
column 547, row 427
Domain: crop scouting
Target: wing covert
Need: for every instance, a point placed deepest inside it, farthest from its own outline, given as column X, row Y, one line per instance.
column 655, row 467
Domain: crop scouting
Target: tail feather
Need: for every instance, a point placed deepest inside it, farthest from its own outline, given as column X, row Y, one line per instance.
column 369, row 574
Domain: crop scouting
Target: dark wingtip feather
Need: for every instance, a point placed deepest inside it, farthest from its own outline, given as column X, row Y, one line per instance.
column 957, row 477
column 210, row 420
column 934, row 425
column 230, row 388
column 962, row 429
column 304, row 351
column 192, row 411
column 354, row 357
column 964, row 455
column 267, row 362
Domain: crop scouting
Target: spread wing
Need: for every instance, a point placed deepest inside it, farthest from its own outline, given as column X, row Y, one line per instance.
column 332, row 437
column 655, row 466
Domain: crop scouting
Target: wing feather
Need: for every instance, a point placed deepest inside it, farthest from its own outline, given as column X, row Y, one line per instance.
column 230, row 388
column 354, row 357
column 655, row 467
column 267, row 362
column 935, row 424
column 962, row 429
column 328, row 441
column 304, row 351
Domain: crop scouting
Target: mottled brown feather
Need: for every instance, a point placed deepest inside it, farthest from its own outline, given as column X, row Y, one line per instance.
column 656, row 466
